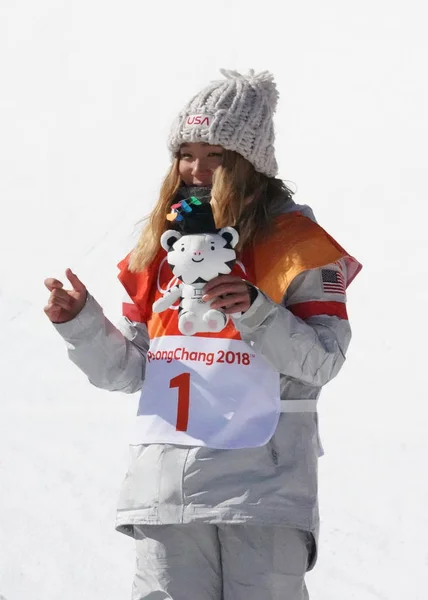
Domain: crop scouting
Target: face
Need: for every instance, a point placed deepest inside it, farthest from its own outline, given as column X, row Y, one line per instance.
column 198, row 161
column 200, row 256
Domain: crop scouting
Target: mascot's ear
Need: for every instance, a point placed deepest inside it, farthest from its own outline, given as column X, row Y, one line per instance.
column 230, row 235
column 169, row 238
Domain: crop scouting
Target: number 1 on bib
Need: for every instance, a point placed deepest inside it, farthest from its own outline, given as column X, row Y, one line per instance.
column 182, row 382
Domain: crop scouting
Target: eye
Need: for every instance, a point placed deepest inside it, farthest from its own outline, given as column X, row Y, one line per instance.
column 216, row 154
column 183, row 249
column 212, row 247
column 185, row 155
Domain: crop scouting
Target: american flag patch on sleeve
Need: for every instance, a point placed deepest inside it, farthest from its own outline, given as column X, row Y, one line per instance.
column 333, row 282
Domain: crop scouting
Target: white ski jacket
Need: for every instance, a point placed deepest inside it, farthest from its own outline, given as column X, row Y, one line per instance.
column 306, row 342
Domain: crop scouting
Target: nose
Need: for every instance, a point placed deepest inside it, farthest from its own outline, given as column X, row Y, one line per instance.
column 199, row 166
column 197, row 252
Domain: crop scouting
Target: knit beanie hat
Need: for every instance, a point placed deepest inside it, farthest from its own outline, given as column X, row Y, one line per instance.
column 236, row 113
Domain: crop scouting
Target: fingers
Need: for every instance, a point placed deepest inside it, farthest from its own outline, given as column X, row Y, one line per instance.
column 233, row 302
column 78, row 286
column 227, row 293
column 234, row 287
column 53, row 312
column 52, row 283
column 221, row 279
column 64, row 305
column 60, row 298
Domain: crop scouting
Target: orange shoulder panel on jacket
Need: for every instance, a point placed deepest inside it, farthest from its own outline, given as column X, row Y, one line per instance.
column 296, row 244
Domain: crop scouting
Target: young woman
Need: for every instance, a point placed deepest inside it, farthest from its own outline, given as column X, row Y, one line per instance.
column 238, row 518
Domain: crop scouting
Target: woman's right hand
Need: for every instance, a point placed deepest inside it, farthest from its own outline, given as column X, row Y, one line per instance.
column 64, row 305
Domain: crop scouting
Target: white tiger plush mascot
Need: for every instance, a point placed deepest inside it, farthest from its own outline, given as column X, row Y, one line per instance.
column 195, row 259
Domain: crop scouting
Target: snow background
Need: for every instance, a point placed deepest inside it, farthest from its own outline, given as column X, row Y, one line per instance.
column 88, row 90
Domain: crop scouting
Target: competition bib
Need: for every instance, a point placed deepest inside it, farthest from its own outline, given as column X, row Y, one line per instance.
column 211, row 392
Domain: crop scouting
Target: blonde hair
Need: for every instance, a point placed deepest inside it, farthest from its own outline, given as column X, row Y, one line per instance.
column 240, row 196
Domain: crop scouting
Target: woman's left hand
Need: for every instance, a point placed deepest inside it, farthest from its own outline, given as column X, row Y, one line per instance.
column 231, row 294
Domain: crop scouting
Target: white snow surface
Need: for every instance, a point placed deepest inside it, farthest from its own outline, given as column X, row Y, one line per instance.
column 88, row 91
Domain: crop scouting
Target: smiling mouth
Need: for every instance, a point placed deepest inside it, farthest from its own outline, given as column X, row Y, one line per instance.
column 197, row 260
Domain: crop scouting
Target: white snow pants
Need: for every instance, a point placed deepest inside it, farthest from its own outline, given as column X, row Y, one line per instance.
column 220, row 562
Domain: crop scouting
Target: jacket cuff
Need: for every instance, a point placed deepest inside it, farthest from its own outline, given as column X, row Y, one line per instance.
column 88, row 320
column 259, row 310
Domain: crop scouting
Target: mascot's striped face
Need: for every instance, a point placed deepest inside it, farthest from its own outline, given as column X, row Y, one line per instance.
column 199, row 257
